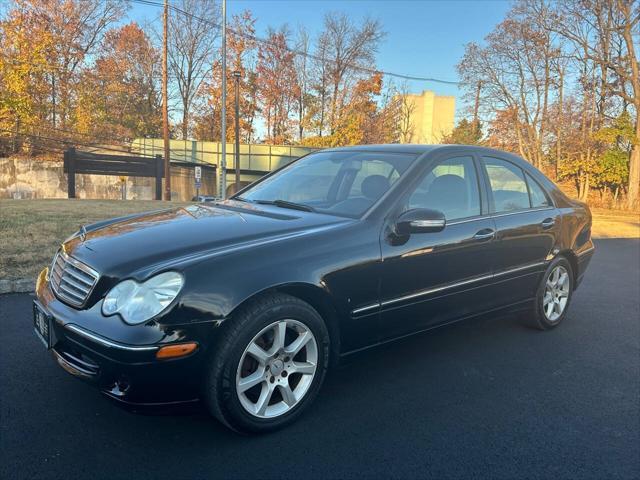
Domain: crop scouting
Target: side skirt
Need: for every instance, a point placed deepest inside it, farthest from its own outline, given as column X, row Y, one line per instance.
column 511, row 307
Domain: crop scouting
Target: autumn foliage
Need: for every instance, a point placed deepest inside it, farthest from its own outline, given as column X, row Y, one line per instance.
column 555, row 82
column 76, row 72
column 559, row 84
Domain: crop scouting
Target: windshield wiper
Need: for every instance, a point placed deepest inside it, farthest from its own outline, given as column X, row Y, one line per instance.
column 285, row 204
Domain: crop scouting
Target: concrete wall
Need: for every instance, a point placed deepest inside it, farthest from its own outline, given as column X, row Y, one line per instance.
column 30, row 178
column 38, row 178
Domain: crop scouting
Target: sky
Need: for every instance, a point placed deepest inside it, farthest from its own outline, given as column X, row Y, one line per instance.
column 424, row 38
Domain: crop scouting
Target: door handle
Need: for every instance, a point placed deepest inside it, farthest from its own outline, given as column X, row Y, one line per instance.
column 484, row 234
column 548, row 222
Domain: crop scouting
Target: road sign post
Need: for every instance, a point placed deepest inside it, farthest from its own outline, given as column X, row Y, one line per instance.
column 123, row 187
column 198, row 179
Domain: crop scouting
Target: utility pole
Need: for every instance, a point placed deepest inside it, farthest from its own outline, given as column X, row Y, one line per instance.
column 165, row 106
column 476, row 107
column 236, row 75
column 222, row 175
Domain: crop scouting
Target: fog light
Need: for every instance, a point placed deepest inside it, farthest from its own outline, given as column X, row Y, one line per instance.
column 175, row 351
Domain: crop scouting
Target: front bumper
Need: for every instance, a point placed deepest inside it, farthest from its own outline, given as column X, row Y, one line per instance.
column 123, row 365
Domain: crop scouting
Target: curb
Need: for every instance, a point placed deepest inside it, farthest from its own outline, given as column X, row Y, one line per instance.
column 21, row 285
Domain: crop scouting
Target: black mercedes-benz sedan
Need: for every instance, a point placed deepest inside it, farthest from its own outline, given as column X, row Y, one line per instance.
column 245, row 303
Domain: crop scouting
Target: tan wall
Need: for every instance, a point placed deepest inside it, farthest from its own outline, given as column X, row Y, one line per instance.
column 28, row 178
column 444, row 110
column 432, row 116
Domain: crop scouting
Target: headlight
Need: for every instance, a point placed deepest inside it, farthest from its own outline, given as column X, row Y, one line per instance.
column 138, row 302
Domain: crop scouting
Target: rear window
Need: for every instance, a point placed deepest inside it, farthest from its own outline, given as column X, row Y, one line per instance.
column 538, row 196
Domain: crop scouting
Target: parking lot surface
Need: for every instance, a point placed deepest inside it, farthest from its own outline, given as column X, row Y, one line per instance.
column 484, row 398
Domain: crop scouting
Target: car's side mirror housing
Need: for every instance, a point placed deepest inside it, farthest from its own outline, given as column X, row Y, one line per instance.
column 420, row 220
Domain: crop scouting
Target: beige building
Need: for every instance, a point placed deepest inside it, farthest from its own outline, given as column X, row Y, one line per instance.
column 427, row 117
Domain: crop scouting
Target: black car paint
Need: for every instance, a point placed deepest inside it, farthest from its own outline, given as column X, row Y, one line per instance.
column 369, row 284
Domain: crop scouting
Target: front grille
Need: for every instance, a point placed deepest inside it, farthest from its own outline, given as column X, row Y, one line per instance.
column 71, row 280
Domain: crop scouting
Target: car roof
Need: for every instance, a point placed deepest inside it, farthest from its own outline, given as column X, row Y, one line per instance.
column 417, row 148
column 386, row 148
column 421, row 149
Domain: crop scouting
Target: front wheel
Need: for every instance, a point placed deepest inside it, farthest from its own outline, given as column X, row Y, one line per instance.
column 554, row 295
column 268, row 365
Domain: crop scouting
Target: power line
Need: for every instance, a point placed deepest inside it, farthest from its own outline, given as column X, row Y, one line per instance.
column 48, row 68
column 95, row 146
column 131, row 151
column 300, row 52
column 90, row 135
column 134, row 149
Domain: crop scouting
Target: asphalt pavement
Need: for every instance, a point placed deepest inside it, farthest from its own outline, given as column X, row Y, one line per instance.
column 485, row 398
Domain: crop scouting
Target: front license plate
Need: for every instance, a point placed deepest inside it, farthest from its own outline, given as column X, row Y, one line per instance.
column 42, row 324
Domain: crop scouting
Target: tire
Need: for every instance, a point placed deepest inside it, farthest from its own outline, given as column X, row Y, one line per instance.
column 553, row 296
column 237, row 383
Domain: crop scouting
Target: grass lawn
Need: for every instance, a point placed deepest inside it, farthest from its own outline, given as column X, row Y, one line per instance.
column 615, row 223
column 31, row 230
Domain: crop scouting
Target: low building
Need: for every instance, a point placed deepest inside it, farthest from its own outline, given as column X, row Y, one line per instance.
column 427, row 117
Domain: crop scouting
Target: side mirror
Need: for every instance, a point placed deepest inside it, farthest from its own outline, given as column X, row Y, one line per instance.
column 420, row 220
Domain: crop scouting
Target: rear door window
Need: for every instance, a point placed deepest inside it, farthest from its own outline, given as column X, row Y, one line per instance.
column 508, row 185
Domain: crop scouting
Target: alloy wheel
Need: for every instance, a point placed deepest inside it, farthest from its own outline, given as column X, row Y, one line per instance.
column 556, row 293
column 277, row 368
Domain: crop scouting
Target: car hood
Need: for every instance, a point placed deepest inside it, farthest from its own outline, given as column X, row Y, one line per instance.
column 150, row 241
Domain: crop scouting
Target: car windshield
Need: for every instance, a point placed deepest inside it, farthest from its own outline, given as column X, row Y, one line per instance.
column 343, row 183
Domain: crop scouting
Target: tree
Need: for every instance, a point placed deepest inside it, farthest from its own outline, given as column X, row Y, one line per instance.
column 278, row 89
column 405, row 110
column 596, row 27
column 48, row 46
column 77, row 28
column 24, row 70
column 551, row 78
column 613, row 170
column 320, row 84
column 302, row 68
column 514, row 69
column 386, row 126
column 502, row 133
column 191, row 51
column 465, row 133
column 350, row 47
column 582, row 149
column 125, row 74
column 363, row 120
column 241, row 51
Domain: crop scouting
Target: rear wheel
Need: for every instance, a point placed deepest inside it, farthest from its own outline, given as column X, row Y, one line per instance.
column 268, row 365
column 554, row 295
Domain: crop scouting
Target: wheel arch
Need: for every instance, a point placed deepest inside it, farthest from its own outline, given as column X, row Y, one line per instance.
column 315, row 296
column 572, row 258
